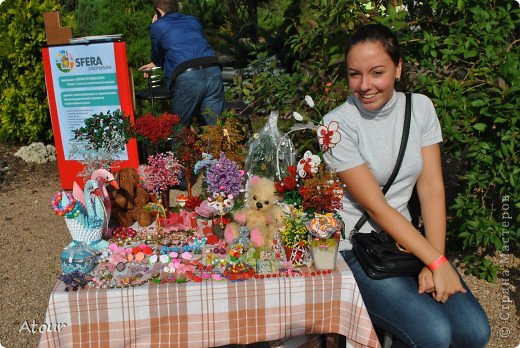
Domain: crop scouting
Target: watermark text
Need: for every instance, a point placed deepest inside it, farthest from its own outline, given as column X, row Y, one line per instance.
column 34, row 327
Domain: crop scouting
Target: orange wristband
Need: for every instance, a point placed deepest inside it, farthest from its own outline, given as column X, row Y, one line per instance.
column 437, row 262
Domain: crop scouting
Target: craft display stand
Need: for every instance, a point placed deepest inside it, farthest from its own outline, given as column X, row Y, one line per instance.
column 84, row 78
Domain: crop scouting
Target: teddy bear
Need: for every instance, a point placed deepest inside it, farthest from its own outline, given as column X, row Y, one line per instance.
column 262, row 215
column 129, row 200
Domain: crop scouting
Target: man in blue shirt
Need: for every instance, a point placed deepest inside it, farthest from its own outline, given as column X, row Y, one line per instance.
column 191, row 68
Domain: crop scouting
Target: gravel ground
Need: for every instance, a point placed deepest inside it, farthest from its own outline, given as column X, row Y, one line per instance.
column 32, row 238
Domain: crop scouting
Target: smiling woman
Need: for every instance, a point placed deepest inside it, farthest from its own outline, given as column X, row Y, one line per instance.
column 371, row 74
column 371, row 126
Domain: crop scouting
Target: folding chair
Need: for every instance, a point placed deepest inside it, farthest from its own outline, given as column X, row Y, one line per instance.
column 157, row 89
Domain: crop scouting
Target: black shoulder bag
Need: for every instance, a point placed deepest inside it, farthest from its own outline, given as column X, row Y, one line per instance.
column 379, row 254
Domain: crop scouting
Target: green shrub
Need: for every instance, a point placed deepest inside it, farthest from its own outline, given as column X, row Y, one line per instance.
column 24, row 113
column 470, row 70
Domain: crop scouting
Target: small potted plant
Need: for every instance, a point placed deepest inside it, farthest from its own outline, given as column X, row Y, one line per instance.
column 294, row 237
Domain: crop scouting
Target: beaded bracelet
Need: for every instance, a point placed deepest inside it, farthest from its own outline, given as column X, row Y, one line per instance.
column 71, row 210
column 437, row 262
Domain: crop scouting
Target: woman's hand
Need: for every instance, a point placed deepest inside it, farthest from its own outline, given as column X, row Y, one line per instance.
column 425, row 279
column 447, row 282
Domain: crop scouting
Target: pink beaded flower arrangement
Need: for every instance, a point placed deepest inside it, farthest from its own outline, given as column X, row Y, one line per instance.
column 161, row 173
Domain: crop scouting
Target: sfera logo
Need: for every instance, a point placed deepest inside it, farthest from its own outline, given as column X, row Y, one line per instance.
column 64, row 61
column 88, row 61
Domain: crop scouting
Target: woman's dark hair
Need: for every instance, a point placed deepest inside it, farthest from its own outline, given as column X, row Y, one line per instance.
column 166, row 6
column 379, row 33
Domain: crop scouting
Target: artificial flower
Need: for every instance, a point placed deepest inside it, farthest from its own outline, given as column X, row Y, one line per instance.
column 279, row 187
column 328, row 135
column 289, row 183
column 294, row 232
column 221, row 204
column 309, row 101
column 292, row 170
column 319, row 193
column 297, row 116
column 184, row 146
column 308, row 165
column 192, row 203
column 161, row 173
column 227, row 137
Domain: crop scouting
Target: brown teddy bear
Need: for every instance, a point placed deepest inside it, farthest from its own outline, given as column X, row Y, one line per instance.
column 262, row 216
column 128, row 202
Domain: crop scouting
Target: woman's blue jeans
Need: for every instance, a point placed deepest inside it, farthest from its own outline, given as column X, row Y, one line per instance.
column 199, row 91
column 417, row 320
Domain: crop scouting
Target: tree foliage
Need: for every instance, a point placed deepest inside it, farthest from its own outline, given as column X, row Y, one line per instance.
column 130, row 18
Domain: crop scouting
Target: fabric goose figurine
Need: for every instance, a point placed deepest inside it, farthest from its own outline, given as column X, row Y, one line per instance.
column 85, row 220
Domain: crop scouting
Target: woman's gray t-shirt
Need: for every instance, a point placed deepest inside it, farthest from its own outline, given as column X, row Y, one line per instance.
column 374, row 138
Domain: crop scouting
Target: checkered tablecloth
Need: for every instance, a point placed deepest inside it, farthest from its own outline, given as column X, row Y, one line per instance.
column 210, row 313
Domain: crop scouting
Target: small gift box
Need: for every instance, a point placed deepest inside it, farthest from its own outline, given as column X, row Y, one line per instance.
column 78, row 257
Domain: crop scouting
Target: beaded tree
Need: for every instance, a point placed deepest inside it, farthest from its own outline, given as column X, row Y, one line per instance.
column 188, row 153
column 99, row 142
column 225, row 177
column 156, row 130
column 226, row 137
column 161, row 173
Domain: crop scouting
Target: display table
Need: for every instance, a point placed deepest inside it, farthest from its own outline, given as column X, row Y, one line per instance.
column 210, row 313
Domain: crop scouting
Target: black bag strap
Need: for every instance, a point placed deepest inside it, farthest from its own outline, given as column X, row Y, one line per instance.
column 400, row 156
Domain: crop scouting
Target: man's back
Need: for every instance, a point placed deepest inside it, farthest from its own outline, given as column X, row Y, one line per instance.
column 177, row 38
